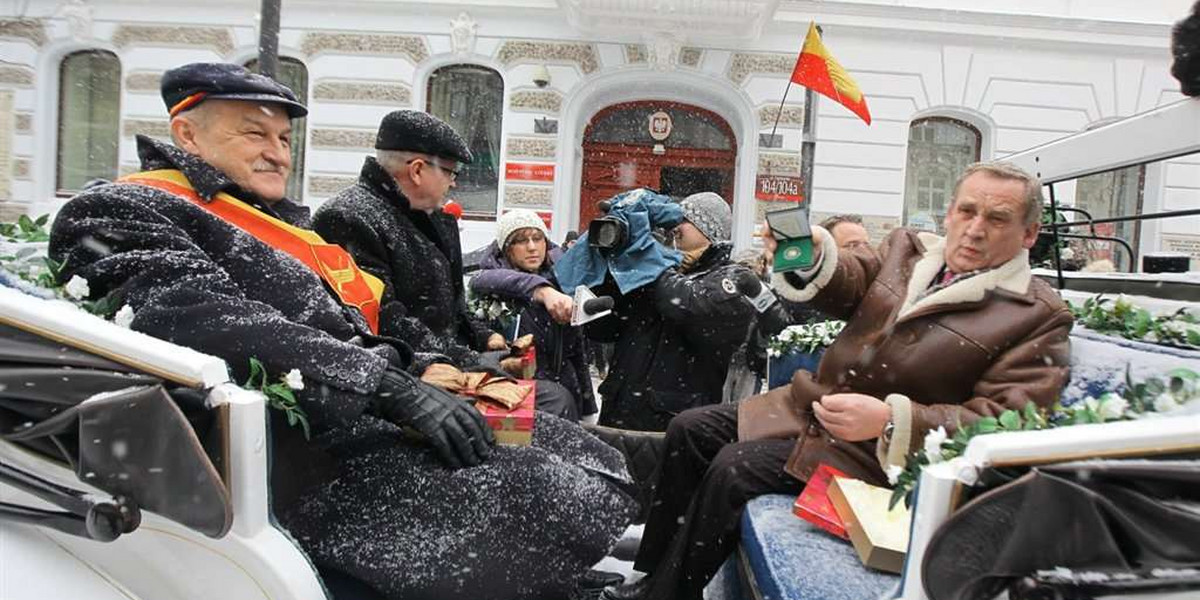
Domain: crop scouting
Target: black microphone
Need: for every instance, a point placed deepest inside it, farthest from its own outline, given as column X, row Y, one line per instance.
column 596, row 305
column 772, row 317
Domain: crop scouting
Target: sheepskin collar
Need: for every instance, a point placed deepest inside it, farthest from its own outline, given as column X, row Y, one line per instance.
column 1012, row 277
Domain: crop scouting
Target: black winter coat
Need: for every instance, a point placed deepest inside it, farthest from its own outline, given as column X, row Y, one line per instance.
column 562, row 354
column 417, row 256
column 673, row 342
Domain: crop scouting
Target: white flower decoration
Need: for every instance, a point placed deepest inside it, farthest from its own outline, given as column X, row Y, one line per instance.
column 933, row 444
column 77, row 288
column 1113, row 407
column 124, row 317
column 294, row 380
column 1165, row 402
column 893, row 473
column 1066, row 254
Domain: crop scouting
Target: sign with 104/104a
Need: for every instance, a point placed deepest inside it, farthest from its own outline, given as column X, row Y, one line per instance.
column 779, row 188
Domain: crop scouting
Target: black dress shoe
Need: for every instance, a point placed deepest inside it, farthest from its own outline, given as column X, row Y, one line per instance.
column 628, row 591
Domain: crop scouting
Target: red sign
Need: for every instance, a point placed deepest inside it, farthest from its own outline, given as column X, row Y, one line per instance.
column 528, row 172
column 545, row 215
column 779, row 188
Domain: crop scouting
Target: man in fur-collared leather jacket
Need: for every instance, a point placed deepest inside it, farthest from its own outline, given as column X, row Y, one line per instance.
column 939, row 332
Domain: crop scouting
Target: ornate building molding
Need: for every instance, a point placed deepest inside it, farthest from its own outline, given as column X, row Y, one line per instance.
column 528, row 196
column 690, row 56
column 328, row 185
column 543, row 101
column 22, row 168
column 663, row 50
column 16, row 75
column 744, row 64
column 583, row 55
column 635, row 53
column 462, row 34
column 779, row 163
column 409, row 46
column 78, row 15
column 217, row 38
column 25, row 29
column 155, row 128
column 339, row 139
column 525, row 147
column 143, row 82
column 362, row 92
column 23, row 123
column 793, row 115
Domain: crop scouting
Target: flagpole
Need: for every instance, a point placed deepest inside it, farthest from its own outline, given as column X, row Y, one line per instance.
column 808, row 144
column 779, row 113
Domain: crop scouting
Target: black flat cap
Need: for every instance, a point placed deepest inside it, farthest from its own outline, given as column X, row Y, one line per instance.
column 415, row 131
column 187, row 86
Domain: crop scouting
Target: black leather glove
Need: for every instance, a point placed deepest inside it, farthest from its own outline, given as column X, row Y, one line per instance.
column 772, row 317
column 488, row 362
column 452, row 426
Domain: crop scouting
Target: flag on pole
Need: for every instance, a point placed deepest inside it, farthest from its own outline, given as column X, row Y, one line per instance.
column 817, row 70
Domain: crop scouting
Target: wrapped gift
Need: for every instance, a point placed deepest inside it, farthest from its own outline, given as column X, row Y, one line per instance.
column 879, row 535
column 513, row 427
column 505, row 391
column 523, row 360
column 813, row 503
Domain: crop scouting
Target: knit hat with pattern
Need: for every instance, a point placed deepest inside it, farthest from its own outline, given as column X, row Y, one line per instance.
column 710, row 214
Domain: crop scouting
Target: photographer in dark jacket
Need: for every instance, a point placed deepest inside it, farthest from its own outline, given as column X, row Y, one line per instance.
column 674, row 338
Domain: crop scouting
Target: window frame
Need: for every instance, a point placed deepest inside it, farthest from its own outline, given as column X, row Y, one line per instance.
column 427, row 104
column 299, row 128
column 910, row 205
column 60, row 190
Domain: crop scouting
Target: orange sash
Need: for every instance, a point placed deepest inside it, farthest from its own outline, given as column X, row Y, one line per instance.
column 334, row 265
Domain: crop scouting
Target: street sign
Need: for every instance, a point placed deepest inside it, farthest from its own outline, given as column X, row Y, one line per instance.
column 779, row 188
column 528, row 172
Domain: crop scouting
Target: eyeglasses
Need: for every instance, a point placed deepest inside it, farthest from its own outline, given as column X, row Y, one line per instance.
column 451, row 173
column 521, row 240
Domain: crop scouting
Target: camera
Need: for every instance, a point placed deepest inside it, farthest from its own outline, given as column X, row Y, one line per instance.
column 609, row 231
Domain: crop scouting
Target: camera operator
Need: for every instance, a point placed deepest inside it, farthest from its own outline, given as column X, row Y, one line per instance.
column 674, row 338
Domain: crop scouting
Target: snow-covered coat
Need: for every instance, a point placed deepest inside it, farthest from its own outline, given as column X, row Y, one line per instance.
column 525, row 524
column 561, row 349
column 939, row 357
column 418, row 257
column 673, row 341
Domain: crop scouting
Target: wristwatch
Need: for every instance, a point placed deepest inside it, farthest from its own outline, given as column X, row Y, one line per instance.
column 888, row 429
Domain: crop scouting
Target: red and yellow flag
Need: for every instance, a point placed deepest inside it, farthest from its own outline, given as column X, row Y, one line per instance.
column 817, row 70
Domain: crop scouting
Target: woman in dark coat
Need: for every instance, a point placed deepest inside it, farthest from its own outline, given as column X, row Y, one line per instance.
column 519, row 269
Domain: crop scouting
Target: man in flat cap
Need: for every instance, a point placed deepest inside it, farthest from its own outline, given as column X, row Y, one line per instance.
column 209, row 254
column 391, row 222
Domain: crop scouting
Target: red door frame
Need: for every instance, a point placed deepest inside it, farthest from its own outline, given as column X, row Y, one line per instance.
column 603, row 162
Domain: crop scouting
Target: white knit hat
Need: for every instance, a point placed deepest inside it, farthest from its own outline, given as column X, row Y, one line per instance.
column 516, row 220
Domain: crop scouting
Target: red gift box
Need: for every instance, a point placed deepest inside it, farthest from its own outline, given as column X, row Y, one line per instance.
column 813, row 503
column 512, row 427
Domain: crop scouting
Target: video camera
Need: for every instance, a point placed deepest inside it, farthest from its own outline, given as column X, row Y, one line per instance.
column 609, row 231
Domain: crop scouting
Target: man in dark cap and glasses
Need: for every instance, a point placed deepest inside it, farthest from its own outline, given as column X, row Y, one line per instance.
column 209, row 254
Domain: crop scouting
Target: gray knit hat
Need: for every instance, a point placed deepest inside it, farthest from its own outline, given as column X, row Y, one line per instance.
column 710, row 214
column 516, row 220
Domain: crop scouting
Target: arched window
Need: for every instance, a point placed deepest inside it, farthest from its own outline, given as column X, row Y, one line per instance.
column 939, row 148
column 471, row 99
column 89, row 115
column 293, row 74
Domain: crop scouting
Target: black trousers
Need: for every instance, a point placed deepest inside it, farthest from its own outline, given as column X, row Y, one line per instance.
column 701, row 490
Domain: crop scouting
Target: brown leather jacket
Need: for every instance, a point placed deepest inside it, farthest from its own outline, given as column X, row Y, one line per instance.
column 984, row 344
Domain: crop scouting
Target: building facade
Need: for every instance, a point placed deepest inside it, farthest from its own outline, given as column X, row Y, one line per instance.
column 567, row 102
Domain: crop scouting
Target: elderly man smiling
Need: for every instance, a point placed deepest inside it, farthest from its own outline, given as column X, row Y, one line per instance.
column 209, row 254
column 941, row 331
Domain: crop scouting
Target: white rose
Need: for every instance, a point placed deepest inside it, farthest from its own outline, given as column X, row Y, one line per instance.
column 124, row 317
column 1113, row 407
column 1165, row 402
column 933, row 444
column 893, row 473
column 77, row 288
column 294, row 379
column 1066, row 254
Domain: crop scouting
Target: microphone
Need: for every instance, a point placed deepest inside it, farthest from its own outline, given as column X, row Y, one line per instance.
column 772, row 318
column 597, row 305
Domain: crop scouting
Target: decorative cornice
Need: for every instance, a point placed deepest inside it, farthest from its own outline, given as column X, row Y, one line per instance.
column 635, row 53
column 21, row 168
column 779, row 163
column 155, row 128
column 362, row 92
column 517, row 51
column 793, row 116
column 16, row 75
column 328, row 185
column 342, row 139
column 522, row 147
column 543, row 101
column 690, row 57
column 528, row 196
column 144, row 82
column 23, row 123
column 743, row 64
column 218, row 38
column 27, row 29
column 365, row 43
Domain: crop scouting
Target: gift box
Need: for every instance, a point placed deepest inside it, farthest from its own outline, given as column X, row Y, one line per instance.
column 813, row 503
column 879, row 535
column 512, row 427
